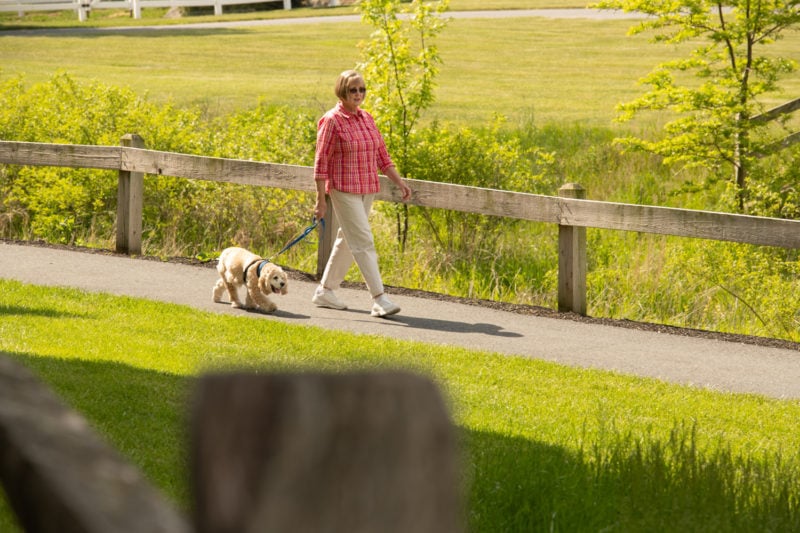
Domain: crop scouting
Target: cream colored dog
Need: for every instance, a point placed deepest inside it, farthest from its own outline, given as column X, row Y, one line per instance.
column 238, row 267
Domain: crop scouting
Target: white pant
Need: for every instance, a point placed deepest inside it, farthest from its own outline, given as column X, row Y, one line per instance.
column 354, row 241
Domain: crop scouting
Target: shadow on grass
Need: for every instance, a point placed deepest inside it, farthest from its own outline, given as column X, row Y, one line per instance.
column 48, row 312
column 625, row 483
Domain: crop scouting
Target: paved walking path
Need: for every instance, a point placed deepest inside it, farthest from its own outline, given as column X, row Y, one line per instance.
column 701, row 362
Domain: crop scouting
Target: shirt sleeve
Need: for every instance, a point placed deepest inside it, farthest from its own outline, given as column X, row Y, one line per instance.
column 324, row 148
column 384, row 160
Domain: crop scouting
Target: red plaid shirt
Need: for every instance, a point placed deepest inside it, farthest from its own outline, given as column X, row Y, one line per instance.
column 350, row 151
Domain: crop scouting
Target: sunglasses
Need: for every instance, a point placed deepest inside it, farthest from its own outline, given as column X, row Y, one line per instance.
column 354, row 90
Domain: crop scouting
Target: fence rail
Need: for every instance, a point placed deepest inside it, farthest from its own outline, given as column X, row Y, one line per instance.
column 774, row 114
column 570, row 211
column 84, row 7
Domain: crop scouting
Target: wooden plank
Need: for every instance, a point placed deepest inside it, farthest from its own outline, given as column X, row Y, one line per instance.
column 218, row 169
column 112, row 4
column 786, row 142
column 60, row 155
column 606, row 215
column 775, row 112
column 130, row 203
column 315, row 452
column 490, row 202
column 681, row 222
column 60, row 477
column 539, row 208
column 572, row 259
column 327, row 236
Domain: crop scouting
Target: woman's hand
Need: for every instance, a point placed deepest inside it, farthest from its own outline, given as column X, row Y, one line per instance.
column 320, row 208
column 405, row 190
column 398, row 180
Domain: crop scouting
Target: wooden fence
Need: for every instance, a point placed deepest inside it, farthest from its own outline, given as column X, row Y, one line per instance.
column 570, row 210
column 84, row 7
column 370, row 451
column 774, row 114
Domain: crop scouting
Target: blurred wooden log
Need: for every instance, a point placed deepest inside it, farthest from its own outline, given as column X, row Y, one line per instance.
column 60, row 477
column 370, row 452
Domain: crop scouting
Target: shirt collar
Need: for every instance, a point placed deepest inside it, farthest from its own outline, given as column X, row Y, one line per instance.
column 341, row 109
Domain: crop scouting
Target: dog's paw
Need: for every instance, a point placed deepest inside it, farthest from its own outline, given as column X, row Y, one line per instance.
column 237, row 305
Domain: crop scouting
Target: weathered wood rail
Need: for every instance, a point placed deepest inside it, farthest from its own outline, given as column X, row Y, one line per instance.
column 774, row 114
column 371, row 451
column 570, row 211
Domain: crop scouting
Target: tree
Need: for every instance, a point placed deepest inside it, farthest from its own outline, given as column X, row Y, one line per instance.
column 713, row 128
column 400, row 65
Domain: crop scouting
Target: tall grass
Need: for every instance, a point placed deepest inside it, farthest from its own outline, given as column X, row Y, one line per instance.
column 544, row 447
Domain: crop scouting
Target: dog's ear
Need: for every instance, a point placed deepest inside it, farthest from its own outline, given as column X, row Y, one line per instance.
column 285, row 287
column 263, row 284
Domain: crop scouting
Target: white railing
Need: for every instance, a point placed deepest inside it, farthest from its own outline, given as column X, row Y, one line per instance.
column 84, row 7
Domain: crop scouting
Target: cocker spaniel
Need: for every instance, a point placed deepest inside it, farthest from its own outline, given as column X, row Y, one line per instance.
column 238, row 267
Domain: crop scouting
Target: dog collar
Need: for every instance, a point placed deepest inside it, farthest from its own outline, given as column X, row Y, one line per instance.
column 260, row 266
column 258, row 270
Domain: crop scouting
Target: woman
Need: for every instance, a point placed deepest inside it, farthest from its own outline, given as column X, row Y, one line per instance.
column 350, row 150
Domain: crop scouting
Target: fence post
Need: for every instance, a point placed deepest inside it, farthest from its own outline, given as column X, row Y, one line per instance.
column 60, row 476
column 130, row 191
column 572, row 259
column 309, row 452
column 327, row 234
column 84, row 8
column 136, row 9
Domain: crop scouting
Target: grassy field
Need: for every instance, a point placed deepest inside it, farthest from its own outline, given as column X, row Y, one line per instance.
column 545, row 447
column 550, row 71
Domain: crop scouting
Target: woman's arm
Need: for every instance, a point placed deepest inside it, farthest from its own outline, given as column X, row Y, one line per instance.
column 392, row 173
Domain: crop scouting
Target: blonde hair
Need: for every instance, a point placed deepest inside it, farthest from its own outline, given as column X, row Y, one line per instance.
column 343, row 82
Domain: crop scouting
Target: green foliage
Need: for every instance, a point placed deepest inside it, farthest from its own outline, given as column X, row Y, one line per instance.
column 478, row 255
column 711, row 285
column 201, row 218
column 479, row 159
column 181, row 217
column 78, row 205
column 401, row 73
column 775, row 186
column 731, row 73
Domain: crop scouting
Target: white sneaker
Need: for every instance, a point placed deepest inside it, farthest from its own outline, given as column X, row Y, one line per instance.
column 384, row 307
column 326, row 298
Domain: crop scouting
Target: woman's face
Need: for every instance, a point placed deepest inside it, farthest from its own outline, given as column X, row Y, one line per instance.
column 356, row 92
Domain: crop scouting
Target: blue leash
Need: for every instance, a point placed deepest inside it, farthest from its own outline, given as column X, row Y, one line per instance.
column 301, row 236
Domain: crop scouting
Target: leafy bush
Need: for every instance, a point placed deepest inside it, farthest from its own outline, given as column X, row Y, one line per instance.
column 181, row 217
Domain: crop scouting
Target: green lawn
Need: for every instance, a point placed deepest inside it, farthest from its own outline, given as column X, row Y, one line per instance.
column 551, row 71
column 545, row 447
